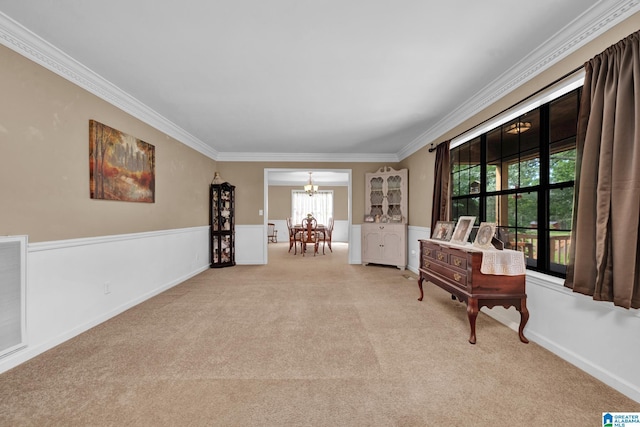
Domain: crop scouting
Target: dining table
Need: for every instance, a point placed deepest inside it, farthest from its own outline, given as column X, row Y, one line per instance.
column 320, row 228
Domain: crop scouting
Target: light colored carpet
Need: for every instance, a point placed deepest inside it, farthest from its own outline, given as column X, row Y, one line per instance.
column 303, row 341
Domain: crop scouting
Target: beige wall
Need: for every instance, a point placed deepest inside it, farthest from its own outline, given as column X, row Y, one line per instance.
column 44, row 163
column 248, row 177
column 420, row 164
column 280, row 202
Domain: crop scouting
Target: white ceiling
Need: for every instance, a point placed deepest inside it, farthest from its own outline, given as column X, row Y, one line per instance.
column 320, row 80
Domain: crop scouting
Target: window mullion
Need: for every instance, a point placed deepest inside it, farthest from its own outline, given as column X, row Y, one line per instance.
column 483, row 178
column 543, row 195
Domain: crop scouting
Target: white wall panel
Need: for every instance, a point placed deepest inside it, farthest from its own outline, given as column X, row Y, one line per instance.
column 13, row 260
column 355, row 247
column 73, row 285
column 595, row 336
column 251, row 244
column 413, row 246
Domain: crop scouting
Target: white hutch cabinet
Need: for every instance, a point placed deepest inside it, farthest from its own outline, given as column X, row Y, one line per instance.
column 384, row 232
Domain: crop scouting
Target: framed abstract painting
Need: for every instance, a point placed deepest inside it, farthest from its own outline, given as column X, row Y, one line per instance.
column 121, row 167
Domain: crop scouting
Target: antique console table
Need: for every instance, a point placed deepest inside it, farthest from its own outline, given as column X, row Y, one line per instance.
column 478, row 277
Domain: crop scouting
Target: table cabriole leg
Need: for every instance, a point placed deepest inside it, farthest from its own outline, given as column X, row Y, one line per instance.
column 524, row 318
column 472, row 313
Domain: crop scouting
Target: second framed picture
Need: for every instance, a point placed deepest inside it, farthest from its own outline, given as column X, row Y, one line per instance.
column 443, row 230
column 463, row 229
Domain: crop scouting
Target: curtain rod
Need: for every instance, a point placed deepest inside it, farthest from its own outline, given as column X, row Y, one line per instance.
column 559, row 79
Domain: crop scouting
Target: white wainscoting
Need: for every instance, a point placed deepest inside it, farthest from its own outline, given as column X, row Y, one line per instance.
column 73, row 285
column 13, row 301
column 251, row 244
column 413, row 246
column 355, row 247
column 597, row 337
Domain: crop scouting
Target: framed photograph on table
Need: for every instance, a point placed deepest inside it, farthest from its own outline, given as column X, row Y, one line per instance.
column 486, row 232
column 443, row 231
column 463, row 229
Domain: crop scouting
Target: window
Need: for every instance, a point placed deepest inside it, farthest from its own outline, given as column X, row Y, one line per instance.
column 520, row 175
column 320, row 205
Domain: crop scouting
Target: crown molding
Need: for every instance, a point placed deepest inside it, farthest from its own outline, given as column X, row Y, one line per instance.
column 308, row 157
column 594, row 22
column 18, row 38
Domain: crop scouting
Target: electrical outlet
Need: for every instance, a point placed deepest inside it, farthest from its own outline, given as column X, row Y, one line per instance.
column 107, row 287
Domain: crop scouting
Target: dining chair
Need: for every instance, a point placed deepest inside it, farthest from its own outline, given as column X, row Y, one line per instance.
column 293, row 236
column 328, row 232
column 324, row 234
column 272, row 233
column 309, row 234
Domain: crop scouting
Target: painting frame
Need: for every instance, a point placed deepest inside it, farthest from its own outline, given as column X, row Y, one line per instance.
column 121, row 167
column 443, row 231
column 463, row 229
column 485, row 234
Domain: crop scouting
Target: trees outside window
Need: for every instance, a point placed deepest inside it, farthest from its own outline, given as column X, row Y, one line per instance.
column 520, row 176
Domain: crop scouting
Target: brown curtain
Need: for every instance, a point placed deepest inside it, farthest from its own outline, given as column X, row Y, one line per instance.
column 441, row 203
column 605, row 252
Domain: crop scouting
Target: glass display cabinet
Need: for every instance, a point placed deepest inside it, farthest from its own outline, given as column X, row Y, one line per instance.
column 384, row 231
column 221, row 219
column 386, row 195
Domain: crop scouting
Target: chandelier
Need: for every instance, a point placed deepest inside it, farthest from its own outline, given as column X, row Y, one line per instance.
column 518, row 127
column 309, row 188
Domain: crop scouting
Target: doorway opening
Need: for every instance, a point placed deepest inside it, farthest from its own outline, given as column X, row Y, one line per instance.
column 280, row 183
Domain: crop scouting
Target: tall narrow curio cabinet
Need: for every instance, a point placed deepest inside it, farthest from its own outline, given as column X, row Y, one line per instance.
column 221, row 218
